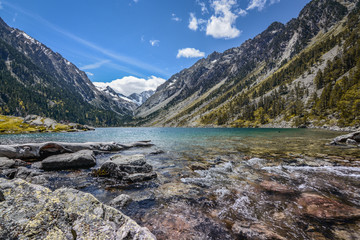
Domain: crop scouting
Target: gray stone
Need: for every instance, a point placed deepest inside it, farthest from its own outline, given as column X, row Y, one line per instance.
column 120, row 201
column 80, row 159
column 343, row 138
column 140, row 177
column 6, row 163
column 32, row 211
column 351, row 141
column 2, row 197
column 132, row 168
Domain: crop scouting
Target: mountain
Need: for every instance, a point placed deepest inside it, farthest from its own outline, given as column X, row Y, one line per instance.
column 135, row 98
column 302, row 73
column 140, row 98
column 36, row 80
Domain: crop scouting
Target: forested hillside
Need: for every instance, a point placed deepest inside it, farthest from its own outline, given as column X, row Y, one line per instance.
column 304, row 73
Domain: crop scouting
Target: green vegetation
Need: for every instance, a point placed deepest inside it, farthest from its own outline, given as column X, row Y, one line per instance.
column 14, row 125
column 336, row 99
column 26, row 89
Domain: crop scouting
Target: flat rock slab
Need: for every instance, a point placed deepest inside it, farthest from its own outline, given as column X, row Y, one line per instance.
column 80, row 159
column 31, row 211
column 326, row 209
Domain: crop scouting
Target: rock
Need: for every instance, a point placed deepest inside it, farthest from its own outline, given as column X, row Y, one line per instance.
column 120, row 201
column 32, row 211
column 40, row 151
column 343, row 138
column 254, row 231
column 140, row 177
column 272, row 186
column 132, row 168
column 6, row 163
column 2, row 198
column 322, row 208
column 199, row 166
column 81, row 159
column 351, row 142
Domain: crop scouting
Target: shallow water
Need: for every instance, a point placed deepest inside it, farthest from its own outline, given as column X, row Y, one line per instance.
column 209, row 180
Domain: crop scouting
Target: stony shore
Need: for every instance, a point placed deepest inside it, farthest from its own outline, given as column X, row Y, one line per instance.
column 29, row 211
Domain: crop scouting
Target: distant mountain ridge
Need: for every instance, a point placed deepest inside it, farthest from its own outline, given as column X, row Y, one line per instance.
column 269, row 80
column 36, row 80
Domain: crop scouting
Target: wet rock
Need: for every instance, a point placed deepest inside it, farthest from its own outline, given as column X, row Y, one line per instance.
column 81, row 159
column 2, row 197
column 272, row 186
column 40, row 151
column 323, row 208
column 255, row 231
column 140, row 177
column 355, row 136
column 199, row 166
column 120, row 201
column 32, row 211
column 132, row 168
column 6, row 163
column 351, row 142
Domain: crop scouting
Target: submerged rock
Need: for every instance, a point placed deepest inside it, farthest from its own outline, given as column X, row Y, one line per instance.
column 132, row 168
column 120, row 201
column 81, row 159
column 272, row 186
column 322, row 208
column 32, row 211
column 255, row 231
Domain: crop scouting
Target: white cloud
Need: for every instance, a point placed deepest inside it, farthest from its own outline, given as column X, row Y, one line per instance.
column 89, row 74
column 94, row 65
column 130, row 84
column 136, row 1
column 175, row 18
column 204, row 9
column 243, row 12
column 222, row 24
column 189, row 53
column 274, row 1
column 154, row 43
column 193, row 22
column 259, row 4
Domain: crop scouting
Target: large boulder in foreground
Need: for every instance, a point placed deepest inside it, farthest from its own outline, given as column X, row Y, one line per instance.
column 80, row 159
column 130, row 168
column 31, row 211
column 326, row 209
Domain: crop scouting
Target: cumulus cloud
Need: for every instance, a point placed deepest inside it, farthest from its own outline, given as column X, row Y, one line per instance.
column 222, row 24
column 154, row 43
column 193, row 22
column 175, row 18
column 189, row 53
column 130, row 84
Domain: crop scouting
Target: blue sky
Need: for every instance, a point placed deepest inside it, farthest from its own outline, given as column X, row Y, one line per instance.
column 143, row 39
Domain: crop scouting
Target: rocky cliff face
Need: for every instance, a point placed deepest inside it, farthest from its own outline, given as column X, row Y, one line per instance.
column 208, row 92
column 140, row 98
column 36, row 80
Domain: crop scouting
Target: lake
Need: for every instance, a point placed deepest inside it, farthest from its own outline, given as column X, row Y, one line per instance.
column 219, row 183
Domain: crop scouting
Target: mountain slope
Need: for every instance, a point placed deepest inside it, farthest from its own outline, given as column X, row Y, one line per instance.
column 140, row 98
column 36, row 80
column 230, row 88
